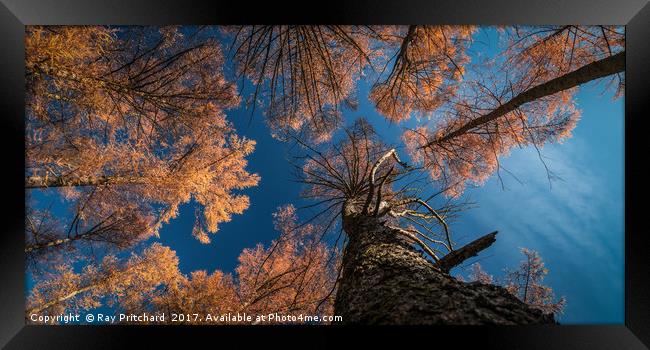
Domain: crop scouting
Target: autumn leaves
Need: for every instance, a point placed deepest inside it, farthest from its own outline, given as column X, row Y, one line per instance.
column 130, row 124
column 306, row 76
column 524, row 97
column 125, row 124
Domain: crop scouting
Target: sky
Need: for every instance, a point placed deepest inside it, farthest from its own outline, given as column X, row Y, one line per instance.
column 576, row 223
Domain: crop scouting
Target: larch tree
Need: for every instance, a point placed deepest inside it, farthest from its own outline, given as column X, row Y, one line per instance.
column 479, row 275
column 424, row 71
column 386, row 228
column 64, row 290
column 126, row 124
column 526, row 283
column 305, row 75
column 295, row 275
column 399, row 251
column 524, row 97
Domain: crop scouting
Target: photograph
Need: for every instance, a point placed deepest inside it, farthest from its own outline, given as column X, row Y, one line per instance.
column 324, row 175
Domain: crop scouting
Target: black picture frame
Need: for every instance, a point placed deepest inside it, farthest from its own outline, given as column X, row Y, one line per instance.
column 635, row 14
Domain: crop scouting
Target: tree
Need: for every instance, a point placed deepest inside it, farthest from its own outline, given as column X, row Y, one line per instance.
column 67, row 291
column 305, row 73
column 127, row 124
column 385, row 279
column 526, row 284
column 525, row 98
column 295, row 275
column 479, row 275
column 425, row 69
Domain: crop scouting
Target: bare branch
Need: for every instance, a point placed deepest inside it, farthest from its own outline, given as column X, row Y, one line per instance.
column 431, row 210
column 419, row 242
column 471, row 249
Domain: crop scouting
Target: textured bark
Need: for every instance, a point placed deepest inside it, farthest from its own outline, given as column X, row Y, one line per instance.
column 592, row 71
column 387, row 281
column 58, row 300
column 63, row 181
column 57, row 242
column 457, row 257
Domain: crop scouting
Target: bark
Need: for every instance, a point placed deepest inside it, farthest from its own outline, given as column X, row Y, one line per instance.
column 387, row 281
column 592, row 71
column 38, row 246
column 457, row 257
column 63, row 181
column 60, row 299
column 120, row 231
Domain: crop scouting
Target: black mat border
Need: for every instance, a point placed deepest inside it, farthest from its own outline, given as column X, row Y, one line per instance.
column 635, row 14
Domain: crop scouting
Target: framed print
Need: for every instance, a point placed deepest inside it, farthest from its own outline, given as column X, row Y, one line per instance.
column 278, row 175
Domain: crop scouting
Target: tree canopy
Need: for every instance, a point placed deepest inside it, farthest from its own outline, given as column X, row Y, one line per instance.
column 126, row 124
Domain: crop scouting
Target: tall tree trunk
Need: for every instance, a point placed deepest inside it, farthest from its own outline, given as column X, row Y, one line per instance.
column 387, row 281
column 55, row 243
column 58, row 300
column 592, row 71
column 63, row 181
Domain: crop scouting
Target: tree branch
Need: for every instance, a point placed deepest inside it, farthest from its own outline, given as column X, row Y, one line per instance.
column 32, row 182
column 418, row 241
column 392, row 152
column 595, row 70
column 431, row 210
column 471, row 249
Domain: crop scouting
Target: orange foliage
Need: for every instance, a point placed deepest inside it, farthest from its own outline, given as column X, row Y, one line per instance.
column 307, row 72
column 66, row 291
column 535, row 55
column 429, row 62
column 526, row 284
column 479, row 275
column 295, row 275
column 474, row 156
column 540, row 53
column 129, row 124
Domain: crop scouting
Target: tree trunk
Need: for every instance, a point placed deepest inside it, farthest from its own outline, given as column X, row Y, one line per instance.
column 38, row 246
column 592, row 71
column 63, row 181
column 58, row 300
column 385, row 280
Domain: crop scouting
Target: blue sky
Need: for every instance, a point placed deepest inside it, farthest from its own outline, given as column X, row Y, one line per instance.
column 576, row 224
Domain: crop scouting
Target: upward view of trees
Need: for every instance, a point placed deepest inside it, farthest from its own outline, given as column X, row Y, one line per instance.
column 128, row 125
column 303, row 73
column 309, row 73
column 525, row 282
column 294, row 276
column 527, row 99
column 125, row 124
